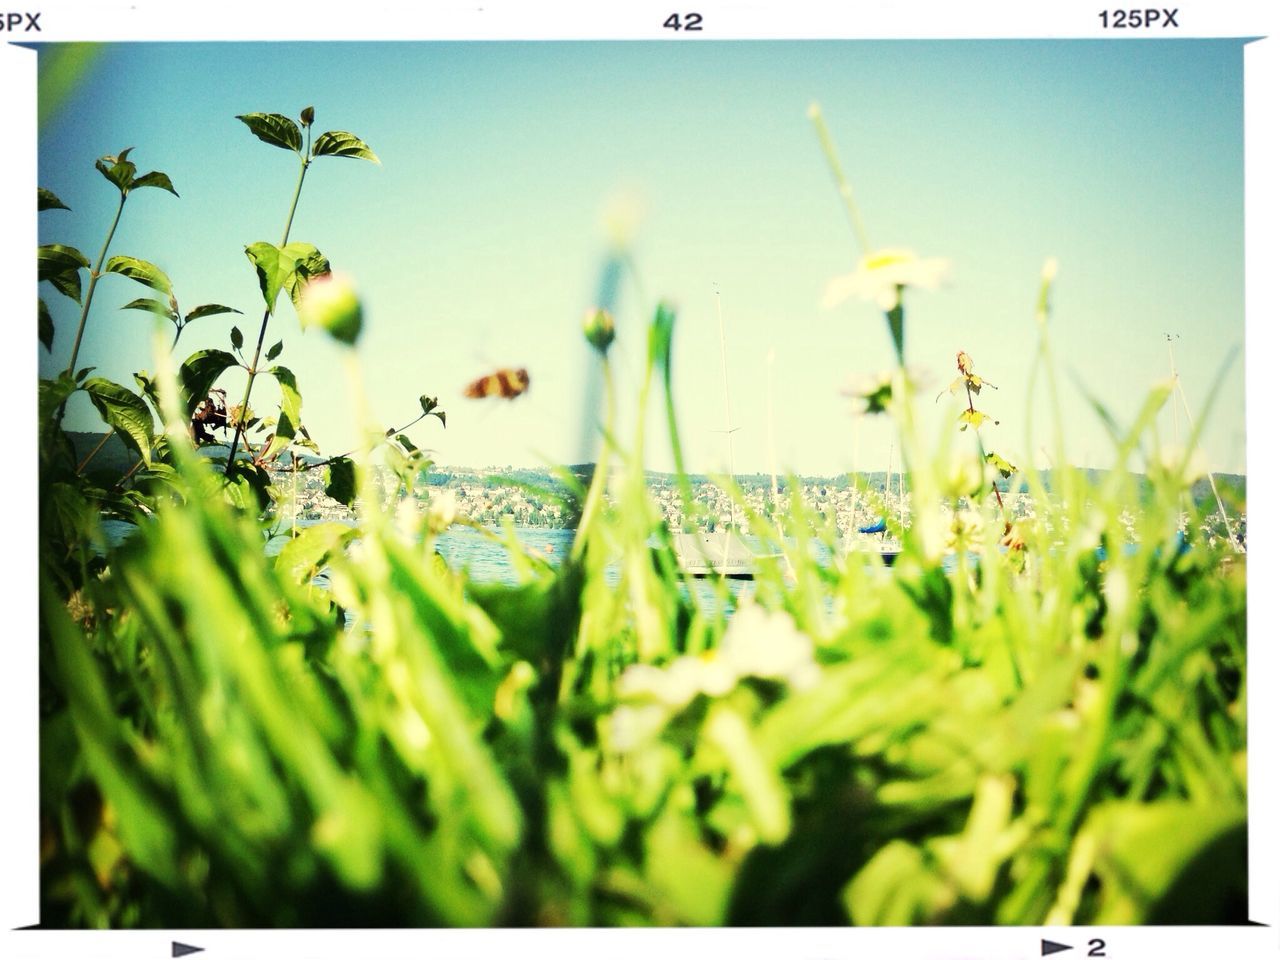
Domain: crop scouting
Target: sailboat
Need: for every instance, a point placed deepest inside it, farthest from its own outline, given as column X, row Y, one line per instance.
column 1233, row 537
column 887, row 549
column 718, row 553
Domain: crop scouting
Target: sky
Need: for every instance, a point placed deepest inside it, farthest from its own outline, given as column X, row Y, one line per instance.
column 479, row 241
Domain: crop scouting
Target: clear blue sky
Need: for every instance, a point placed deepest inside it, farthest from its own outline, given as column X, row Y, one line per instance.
column 478, row 242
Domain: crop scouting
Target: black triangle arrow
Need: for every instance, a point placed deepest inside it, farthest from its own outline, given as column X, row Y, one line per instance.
column 182, row 949
column 1046, row 947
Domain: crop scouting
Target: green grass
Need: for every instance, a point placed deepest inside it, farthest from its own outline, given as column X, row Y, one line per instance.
column 1043, row 734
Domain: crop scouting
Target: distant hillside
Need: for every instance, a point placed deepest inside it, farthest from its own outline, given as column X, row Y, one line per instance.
column 116, row 457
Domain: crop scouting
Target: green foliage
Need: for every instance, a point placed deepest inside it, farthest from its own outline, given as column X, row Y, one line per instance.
column 61, row 266
column 125, row 411
column 48, row 200
column 44, row 326
column 275, row 129
column 1044, row 730
column 286, row 267
column 142, row 271
column 340, row 481
column 339, row 143
column 122, row 172
column 200, row 372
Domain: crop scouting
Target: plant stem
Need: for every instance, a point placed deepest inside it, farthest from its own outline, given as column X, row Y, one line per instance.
column 93, row 283
column 262, row 330
column 600, row 475
column 324, row 463
column 842, row 183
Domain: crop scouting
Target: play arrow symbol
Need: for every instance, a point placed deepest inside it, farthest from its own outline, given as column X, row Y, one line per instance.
column 1048, row 946
column 182, row 949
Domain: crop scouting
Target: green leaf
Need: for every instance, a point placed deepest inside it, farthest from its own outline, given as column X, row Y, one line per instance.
column 272, row 270
column 287, row 267
column 155, row 179
column 428, row 403
column 209, row 310
column 199, row 373
column 974, row 418
column 275, row 129
column 140, row 270
column 118, row 170
column 44, row 326
column 409, row 446
column 152, row 306
column 60, row 265
column 54, row 393
column 148, row 387
column 48, row 200
column 237, row 338
column 1155, row 861
column 56, row 257
column 1006, row 468
column 290, row 410
column 339, row 143
column 308, row 263
column 275, row 350
column 305, row 554
column 126, row 412
column 340, row 480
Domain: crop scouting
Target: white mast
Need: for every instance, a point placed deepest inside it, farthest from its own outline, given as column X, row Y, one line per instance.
column 728, row 427
column 1182, row 395
column 773, row 453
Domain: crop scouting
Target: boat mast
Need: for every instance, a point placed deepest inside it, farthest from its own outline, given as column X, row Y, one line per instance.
column 729, row 429
column 773, row 453
column 1182, row 395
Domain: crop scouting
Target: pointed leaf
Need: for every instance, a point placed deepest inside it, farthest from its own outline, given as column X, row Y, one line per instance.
column 405, row 442
column 275, row 350
column 155, row 179
column 44, row 326
column 308, row 263
column 200, row 372
column 440, row 414
column 974, row 418
column 290, row 410
column 209, row 310
column 1006, row 468
column 152, row 306
column 340, row 481
column 275, row 129
column 237, row 338
column 48, row 200
column 272, row 270
column 57, row 257
column 339, row 143
column 428, row 403
column 61, row 265
column 126, row 412
column 140, row 270
column 52, row 394
column 118, row 170
column 309, row 550
column 148, row 387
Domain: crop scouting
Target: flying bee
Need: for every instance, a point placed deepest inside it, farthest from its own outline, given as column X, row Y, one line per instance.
column 508, row 383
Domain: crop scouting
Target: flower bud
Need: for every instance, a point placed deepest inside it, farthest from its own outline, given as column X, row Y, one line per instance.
column 308, row 116
column 443, row 512
column 598, row 328
column 330, row 302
